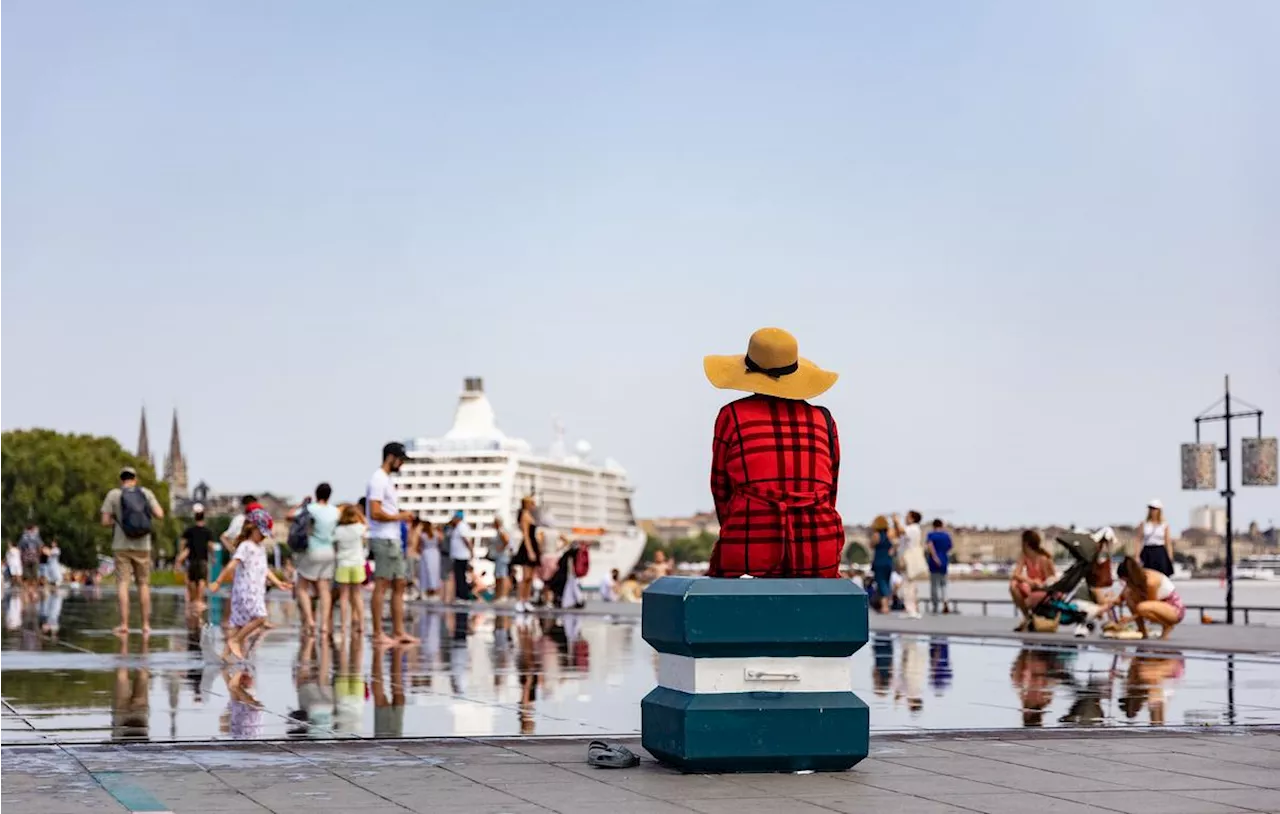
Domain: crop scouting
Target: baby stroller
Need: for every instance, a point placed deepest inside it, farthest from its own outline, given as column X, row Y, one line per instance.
column 1067, row 600
column 563, row 585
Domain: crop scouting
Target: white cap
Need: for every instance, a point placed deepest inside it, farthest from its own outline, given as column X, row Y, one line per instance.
column 197, row 508
column 1155, row 503
column 1105, row 535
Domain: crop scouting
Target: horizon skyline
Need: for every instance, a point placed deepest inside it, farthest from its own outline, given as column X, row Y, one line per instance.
column 929, row 515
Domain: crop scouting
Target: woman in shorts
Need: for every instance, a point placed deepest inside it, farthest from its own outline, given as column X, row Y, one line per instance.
column 350, row 553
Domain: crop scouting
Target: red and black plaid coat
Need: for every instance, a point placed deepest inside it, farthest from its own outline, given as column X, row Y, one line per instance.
column 774, row 472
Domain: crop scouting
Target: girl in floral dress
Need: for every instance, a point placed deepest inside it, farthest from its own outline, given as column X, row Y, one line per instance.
column 249, row 590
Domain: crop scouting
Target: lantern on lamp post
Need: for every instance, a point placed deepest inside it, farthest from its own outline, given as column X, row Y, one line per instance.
column 1200, row 470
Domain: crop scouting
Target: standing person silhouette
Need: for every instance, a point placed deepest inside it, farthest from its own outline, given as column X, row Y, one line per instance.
column 390, row 570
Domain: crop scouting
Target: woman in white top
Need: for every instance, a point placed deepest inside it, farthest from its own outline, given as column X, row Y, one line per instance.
column 350, row 551
column 912, row 563
column 1155, row 549
column 1151, row 597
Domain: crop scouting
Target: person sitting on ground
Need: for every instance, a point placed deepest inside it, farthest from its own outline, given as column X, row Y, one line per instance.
column 882, row 562
column 775, row 463
column 609, row 588
column 1033, row 571
column 629, row 590
column 1151, row 597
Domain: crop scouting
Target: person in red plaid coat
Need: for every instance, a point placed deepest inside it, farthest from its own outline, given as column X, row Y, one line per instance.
column 775, row 464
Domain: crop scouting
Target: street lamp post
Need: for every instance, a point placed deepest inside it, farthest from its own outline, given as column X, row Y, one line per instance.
column 1224, row 453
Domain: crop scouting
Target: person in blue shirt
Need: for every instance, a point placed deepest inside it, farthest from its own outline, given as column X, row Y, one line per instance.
column 938, row 547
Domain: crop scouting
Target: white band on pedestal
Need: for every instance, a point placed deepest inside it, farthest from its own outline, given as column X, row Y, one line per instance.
column 755, row 674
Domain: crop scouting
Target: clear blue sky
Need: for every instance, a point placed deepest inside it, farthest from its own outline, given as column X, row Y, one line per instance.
column 1030, row 236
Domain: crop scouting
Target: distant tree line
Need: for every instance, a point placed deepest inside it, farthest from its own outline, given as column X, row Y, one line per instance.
column 58, row 481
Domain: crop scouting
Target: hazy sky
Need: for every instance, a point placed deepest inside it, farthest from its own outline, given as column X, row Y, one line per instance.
column 1030, row 236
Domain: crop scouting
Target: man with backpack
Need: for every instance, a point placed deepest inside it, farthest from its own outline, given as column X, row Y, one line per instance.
column 130, row 510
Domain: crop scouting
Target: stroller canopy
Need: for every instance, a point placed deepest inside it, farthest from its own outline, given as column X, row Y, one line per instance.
column 1083, row 547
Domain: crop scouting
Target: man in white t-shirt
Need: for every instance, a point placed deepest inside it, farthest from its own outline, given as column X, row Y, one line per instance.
column 389, row 564
column 458, row 534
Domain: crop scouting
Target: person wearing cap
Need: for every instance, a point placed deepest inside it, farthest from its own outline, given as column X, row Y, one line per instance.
column 1155, row 548
column 196, row 541
column 775, row 463
column 458, row 535
column 132, row 554
column 389, row 566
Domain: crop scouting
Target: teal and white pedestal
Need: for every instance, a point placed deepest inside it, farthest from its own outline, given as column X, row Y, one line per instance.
column 754, row 675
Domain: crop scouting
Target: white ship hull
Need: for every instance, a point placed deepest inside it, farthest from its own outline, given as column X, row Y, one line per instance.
column 477, row 470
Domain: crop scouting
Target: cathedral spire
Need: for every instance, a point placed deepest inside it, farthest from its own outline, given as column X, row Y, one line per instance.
column 175, row 465
column 144, row 445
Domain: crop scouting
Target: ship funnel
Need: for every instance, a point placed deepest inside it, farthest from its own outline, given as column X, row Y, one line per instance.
column 474, row 418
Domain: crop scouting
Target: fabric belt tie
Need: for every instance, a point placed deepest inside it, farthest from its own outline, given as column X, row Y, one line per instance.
column 784, row 503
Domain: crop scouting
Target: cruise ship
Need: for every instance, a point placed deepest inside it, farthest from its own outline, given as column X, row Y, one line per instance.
column 475, row 467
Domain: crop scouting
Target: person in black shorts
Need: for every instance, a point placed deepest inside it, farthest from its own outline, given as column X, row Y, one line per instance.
column 195, row 553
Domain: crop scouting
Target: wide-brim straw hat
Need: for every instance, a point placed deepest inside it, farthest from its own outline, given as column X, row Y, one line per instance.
column 772, row 366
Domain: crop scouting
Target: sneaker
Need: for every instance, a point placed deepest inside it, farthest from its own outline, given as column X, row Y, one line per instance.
column 519, row 607
column 1081, row 631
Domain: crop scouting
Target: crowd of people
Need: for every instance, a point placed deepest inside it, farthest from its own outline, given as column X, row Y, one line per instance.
column 342, row 554
column 1138, row 581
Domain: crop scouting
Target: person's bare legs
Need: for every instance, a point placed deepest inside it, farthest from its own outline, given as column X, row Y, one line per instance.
column 397, row 614
column 357, row 608
column 379, row 591
column 144, row 605
column 122, row 600
column 344, row 608
column 1154, row 610
column 303, row 594
column 237, row 644
column 1020, row 603
column 324, row 608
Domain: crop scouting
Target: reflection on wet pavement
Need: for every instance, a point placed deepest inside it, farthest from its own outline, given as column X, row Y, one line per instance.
column 480, row 672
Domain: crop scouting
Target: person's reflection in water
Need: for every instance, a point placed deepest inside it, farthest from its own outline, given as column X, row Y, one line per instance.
column 245, row 711
column 939, row 665
column 195, row 676
column 882, row 668
column 51, row 612
column 349, row 688
column 388, row 714
column 131, row 702
column 1145, row 684
column 1087, row 708
column 503, row 650
column 914, row 666
column 1034, row 674
column 530, row 675
column 315, row 688
column 13, row 610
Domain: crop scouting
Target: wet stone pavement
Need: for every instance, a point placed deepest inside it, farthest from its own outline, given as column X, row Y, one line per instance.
column 1054, row 773
column 91, row 722
column 481, row 673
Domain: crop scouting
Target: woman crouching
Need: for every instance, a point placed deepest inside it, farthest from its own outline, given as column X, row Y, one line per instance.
column 1151, row 597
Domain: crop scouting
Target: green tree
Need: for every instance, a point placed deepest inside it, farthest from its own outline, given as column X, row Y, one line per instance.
column 684, row 549
column 58, row 481
column 855, row 553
